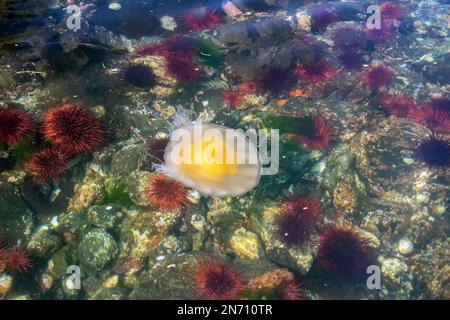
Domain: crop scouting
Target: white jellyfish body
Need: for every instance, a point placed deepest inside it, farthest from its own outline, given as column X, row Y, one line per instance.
column 210, row 158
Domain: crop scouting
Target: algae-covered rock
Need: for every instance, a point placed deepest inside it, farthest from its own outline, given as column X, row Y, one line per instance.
column 44, row 241
column 379, row 152
column 89, row 191
column 130, row 158
column 141, row 231
column 246, row 244
column 16, row 220
column 76, row 223
column 97, row 249
column 432, row 267
column 170, row 277
column 343, row 187
column 105, row 216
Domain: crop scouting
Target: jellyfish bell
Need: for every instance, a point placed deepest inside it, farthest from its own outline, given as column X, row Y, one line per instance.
column 210, row 158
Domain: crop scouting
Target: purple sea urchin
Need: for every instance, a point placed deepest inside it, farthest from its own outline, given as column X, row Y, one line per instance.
column 342, row 251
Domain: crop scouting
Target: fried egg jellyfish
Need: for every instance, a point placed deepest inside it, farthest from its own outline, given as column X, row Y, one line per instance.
column 210, row 158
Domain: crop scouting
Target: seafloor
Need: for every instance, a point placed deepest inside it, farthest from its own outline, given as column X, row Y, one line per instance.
column 364, row 149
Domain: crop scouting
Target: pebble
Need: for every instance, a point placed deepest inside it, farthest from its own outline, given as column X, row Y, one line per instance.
column 405, row 246
column 198, row 222
column 6, row 282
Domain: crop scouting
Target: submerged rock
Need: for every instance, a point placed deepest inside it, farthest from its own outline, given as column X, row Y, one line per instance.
column 97, row 249
column 44, row 241
column 170, row 277
column 300, row 259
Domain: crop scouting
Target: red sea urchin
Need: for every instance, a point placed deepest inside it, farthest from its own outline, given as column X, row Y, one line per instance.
column 248, row 87
column 296, row 222
column 342, row 251
column 317, row 135
column 14, row 124
column 435, row 115
column 377, row 77
column 392, row 11
column 232, row 98
column 315, row 73
column 17, row 260
column 201, row 19
column 291, row 291
column 347, row 38
column 386, row 33
column 184, row 68
column 73, row 129
column 47, row 164
column 164, row 193
column 435, row 152
column 275, row 80
column 175, row 44
column 398, row 106
column 217, row 281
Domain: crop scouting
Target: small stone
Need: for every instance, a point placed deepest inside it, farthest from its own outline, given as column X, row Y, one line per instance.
column 115, row 6
column 319, row 167
column 6, row 282
column 408, row 160
column 405, row 246
column 422, row 198
column 193, row 196
column 111, row 282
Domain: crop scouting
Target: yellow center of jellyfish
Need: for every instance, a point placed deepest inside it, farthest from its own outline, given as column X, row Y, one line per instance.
column 209, row 158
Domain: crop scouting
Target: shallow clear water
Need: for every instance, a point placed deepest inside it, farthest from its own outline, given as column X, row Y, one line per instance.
column 348, row 197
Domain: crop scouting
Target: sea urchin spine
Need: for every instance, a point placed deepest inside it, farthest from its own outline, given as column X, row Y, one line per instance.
column 318, row 135
column 377, row 77
column 201, row 19
column 164, row 193
column 14, row 124
column 296, row 222
column 47, row 164
column 73, row 128
column 217, row 281
column 17, row 260
column 342, row 251
column 232, row 98
column 435, row 152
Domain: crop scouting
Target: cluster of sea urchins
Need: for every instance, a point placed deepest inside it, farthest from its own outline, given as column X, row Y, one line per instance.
column 71, row 130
